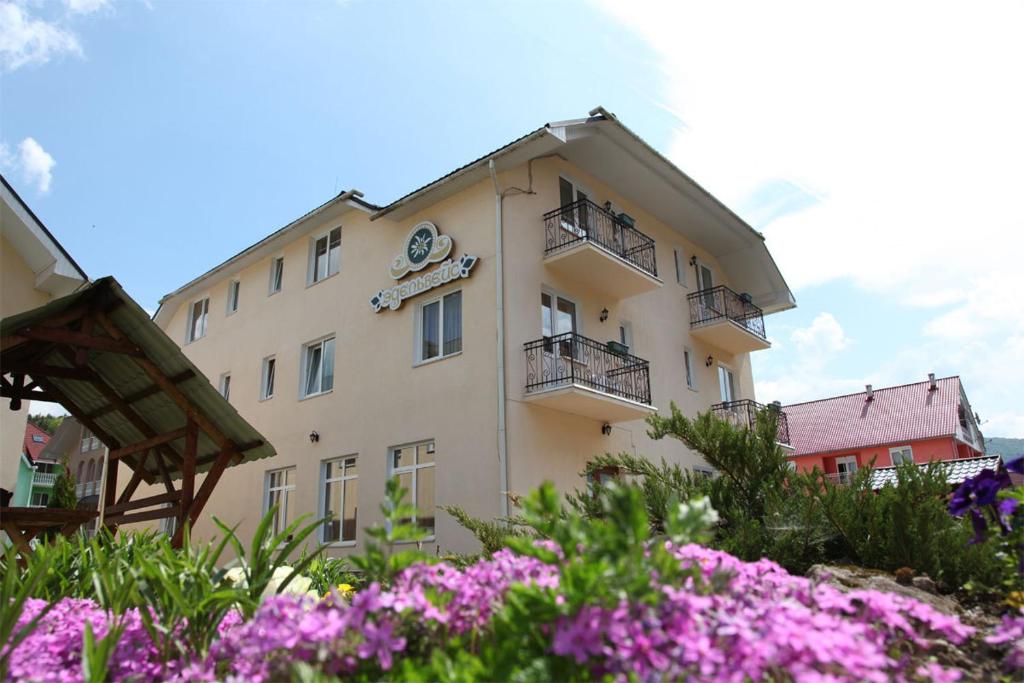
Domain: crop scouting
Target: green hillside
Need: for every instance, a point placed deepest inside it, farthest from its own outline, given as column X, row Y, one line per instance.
column 1010, row 449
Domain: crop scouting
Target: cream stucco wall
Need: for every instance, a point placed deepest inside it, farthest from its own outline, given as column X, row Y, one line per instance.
column 17, row 294
column 380, row 399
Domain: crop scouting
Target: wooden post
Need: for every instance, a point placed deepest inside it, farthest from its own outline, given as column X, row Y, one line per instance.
column 188, row 477
column 110, row 490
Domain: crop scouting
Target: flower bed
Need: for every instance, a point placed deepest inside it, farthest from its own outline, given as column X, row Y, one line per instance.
column 727, row 620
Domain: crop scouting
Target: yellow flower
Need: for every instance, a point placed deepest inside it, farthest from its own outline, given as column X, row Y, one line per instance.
column 345, row 589
column 1015, row 599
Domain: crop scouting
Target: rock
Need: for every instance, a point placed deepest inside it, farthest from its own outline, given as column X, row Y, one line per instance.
column 925, row 583
column 857, row 578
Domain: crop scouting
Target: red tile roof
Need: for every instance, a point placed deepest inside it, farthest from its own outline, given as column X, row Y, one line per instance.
column 895, row 415
column 35, row 440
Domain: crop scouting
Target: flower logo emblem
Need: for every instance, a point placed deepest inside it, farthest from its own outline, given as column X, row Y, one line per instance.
column 420, row 245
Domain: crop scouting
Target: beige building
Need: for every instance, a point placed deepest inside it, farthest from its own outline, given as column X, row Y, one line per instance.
column 34, row 268
column 484, row 333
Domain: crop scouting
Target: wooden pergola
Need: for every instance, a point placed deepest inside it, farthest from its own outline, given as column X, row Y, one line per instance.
column 98, row 354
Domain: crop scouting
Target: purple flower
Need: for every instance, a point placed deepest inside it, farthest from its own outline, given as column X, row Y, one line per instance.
column 1016, row 466
column 379, row 641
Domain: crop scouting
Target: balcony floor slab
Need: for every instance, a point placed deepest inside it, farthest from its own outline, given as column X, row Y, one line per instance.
column 729, row 336
column 601, row 270
column 586, row 402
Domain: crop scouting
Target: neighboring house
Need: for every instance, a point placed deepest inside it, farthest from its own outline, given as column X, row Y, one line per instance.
column 956, row 471
column 920, row 422
column 84, row 455
column 36, row 470
column 489, row 331
column 34, row 268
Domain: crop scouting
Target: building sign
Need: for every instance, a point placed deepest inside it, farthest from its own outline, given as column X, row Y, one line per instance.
column 423, row 246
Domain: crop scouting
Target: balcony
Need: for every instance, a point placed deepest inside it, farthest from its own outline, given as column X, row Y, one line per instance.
column 727, row 320
column 86, row 489
column 571, row 373
column 44, row 479
column 599, row 249
column 744, row 414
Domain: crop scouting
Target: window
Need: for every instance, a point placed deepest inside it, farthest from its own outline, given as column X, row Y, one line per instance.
column 225, row 385
column 340, row 502
column 267, row 378
column 440, row 327
column 325, row 256
column 318, row 367
column 89, row 442
column 845, row 469
column 575, row 219
column 197, row 319
column 90, row 473
column 705, row 472
column 691, row 379
column 280, row 491
column 233, row 287
column 39, row 500
column 727, row 384
column 901, row 455
column 38, row 438
column 414, row 467
column 680, row 263
column 705, row 278
column 558, row 317
column 603, row 475
column 276, row 274
column 80, row 471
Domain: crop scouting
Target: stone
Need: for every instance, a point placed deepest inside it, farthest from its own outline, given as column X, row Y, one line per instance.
column 857, row 578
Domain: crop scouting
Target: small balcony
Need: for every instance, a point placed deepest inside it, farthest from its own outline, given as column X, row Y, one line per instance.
column 44, row 479
column 571, row 373
column 744, row 414
column 600, row 249
column 727, row 320
column 86, row 489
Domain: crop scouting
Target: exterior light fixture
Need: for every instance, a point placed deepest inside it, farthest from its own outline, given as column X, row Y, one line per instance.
column 314, row 437
column 606, row 429
column 604, row 314
column 709, row 361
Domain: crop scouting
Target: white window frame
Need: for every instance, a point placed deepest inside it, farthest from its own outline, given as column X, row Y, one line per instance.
column 626, row 336
column 577, row 188
column 304, row 366
column 735, row 383
column 234, row 288
column 679, row 261
column 46, row 499
column 555, row 296
column 903, row 451
column 418, row 358
column 264, row 376
column 690, row 372
column 311, row 275
column 205, row 301
column 847, row 476
column 224, row 385
column 271, row 290
column 340, row 481
column 287, row 489
column 413, row 469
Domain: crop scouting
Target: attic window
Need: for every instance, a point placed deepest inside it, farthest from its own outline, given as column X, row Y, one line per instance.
column 37, row 438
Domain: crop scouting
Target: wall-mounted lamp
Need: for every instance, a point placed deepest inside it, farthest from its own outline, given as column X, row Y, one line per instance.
column 708, row 362
column 606, row 429
column 314, row 437
column 604, row 314
column 693, row 260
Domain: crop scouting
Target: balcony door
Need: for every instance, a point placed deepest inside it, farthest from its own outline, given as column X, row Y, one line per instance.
column 706, row 283
column 574, row 216
column 558, row 317
column 845, row 468
column 726, row 384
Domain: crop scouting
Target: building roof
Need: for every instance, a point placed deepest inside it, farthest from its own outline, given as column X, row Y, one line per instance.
column 611, row 152
column 56, row 272
column 35, row 441
column 956, row 470
column 98, row 354
column 894, row 415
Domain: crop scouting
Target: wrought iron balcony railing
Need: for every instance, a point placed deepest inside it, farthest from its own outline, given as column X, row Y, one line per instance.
column 744, row 414
column 721, row 303
column 87, row 488
column 585, row 221
column 568, row 359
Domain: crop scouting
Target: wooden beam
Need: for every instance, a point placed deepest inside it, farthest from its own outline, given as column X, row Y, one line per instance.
column 9, row 341
column 159, row 499
column 65, row 336
column 188, row 469
column 157, row 375
column 164, row 474
column 151, row 442
column 121, row 519
column 134, row 482
column 24, row 394
column 209, row 483
column 38, row 370
column 110, row 493
column 144, row 393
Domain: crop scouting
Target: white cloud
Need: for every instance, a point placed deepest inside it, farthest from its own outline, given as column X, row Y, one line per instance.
column 26, row 40
column 824, row 336
column 86, row 6
column 902, row 119
column 33, row 163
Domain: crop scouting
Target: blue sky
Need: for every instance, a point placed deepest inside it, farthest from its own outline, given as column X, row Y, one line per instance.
column 157, row 139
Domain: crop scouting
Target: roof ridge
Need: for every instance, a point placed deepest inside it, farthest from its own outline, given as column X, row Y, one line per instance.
column 874, row 391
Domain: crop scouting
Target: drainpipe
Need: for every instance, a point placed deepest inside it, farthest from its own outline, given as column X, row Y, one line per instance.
column 499, row 268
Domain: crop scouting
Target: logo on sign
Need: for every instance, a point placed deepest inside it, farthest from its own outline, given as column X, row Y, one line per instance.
column 423, row 246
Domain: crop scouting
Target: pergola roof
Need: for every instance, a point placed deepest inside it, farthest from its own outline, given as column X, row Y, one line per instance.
column 97, row 353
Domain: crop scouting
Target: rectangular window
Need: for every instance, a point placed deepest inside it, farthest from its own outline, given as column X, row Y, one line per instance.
column 557, row 317
column 225, row 385
column 197, row 319
column 846, row 467
column 276, row 274
column 414, row 467
column 280, row 490
column 691, row 381
column 325, row 256
column 39, row 500
column 680, row 261
column 726, row 384
column 318, row 367
column 626, row 335
column 233, row 288
column 440, row 327
column 267, row 377
column 901, row 455
column 340, row 502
